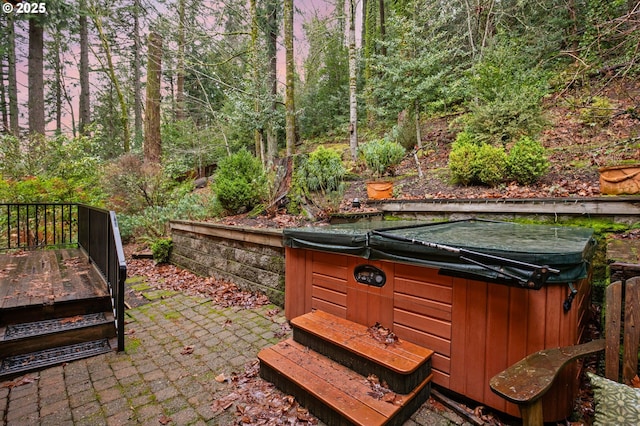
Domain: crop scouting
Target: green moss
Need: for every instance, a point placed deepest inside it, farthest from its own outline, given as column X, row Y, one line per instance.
column 172, row 315
column 158, row 294
column 141, row 287
column 131, row 345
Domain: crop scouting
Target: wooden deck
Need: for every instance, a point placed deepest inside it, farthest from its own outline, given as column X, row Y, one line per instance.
column 55, row 307
column 47, row 277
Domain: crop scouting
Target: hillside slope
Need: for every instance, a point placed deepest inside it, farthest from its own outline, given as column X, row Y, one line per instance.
column 577, row 149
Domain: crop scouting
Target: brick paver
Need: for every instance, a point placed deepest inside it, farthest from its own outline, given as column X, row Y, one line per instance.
column 176, row 347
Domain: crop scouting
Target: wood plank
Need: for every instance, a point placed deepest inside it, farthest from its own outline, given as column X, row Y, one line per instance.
column 631, row 330
column 528, row 379
column 294, row 294
column 338, row 387
column 402, row 347
column 613, row 299
column 473, row 367
column 423, row 323
column 337, row 310
column 319, row 387
column 332, row 283
column 403, row 357
column 437, row 344
column 458, row 345
column 419, row 305
column 12, row 265
column 497, row 338
column 27, row 282
column 330, row 295
column 426, row 290
column 85, row 281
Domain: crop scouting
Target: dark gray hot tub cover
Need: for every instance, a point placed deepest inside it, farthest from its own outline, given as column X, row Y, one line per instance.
column 568, row 249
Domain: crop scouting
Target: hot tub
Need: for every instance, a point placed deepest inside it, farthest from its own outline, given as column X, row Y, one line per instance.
column 481, row 294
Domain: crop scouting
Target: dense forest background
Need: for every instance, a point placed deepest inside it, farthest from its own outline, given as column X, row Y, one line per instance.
column 127, row 103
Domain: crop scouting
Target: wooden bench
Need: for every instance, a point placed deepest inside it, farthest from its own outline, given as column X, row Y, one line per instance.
column 525, row 382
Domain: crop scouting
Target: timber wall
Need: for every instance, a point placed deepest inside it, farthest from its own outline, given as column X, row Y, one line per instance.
column 252, row 258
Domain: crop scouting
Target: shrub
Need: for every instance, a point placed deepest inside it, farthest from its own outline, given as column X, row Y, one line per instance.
column 527, row 161
column 381, row 155
column 462, row 159
column 598, row 113
column 151, row 223
column 240, row 182
column 134, row 185
column 161, row 250
column 472, row 163
column 324, row 170
column 491, row 164
column 461, row 164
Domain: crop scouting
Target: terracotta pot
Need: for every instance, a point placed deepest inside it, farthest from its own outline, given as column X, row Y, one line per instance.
column 617, row 180
column 379, row 190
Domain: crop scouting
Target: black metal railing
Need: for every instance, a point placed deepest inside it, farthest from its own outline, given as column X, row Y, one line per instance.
column 38, row 225
column 41, row 225
column 99, row 236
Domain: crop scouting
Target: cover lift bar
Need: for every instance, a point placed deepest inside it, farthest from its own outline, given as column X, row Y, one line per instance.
column 538, row 273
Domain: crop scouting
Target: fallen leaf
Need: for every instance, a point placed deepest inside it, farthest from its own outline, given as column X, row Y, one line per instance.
column 220, row 378
column 187, row 350
column 164, row 420
column 18, row 382
column 71, row 320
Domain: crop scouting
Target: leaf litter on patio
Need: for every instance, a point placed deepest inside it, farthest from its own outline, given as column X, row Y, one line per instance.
column 254, row 401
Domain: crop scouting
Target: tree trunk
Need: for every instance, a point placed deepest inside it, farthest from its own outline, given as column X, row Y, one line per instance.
column 137, row 84
column 35, row 103
column 257, row 135
column 3, row 100
column 290, row 118
column 111, row 73
column 272, row 46
column 417, row 121
column 180, row 66
column 57, row 69
column 353, row 74
column 85, row 90
column 574, row 36
column 383, row 29
column 152, row 142
column 14, row 122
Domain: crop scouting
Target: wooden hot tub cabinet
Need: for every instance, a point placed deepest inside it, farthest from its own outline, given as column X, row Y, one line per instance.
column 476, row 328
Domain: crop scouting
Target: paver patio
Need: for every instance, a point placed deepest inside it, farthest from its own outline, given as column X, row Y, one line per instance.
column 179, row 348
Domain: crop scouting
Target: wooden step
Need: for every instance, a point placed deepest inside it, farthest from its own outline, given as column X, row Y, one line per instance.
column 19, row 364
column 401, row 364
column 333, row 392
column 42, row 312
column 35, row 336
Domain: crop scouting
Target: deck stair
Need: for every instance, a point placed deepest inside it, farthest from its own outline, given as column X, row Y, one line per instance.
column 54, row 308
column 346, row 375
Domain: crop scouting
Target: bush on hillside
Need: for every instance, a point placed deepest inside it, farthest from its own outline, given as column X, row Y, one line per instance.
column 527, row 161
column 240, row 182
column 381, row 155
column 323, row 170
column 471, row 162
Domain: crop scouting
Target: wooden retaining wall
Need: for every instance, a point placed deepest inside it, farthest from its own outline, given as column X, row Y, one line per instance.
column 252, row 258
column 617, row 209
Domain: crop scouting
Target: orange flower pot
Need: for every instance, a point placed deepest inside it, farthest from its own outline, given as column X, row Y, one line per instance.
column 379, row 190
